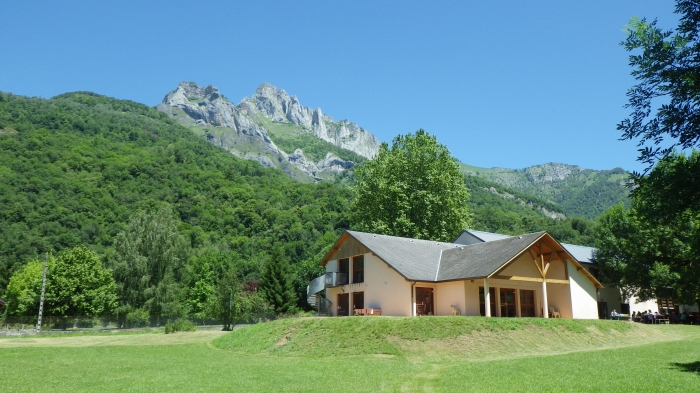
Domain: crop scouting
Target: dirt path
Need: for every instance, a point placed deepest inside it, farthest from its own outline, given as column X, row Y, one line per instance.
column 203, row 336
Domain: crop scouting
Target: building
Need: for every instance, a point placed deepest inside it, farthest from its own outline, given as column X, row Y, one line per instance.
column 531, row 275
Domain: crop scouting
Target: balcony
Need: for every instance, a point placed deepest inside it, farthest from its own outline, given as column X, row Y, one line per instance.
column 336, row 279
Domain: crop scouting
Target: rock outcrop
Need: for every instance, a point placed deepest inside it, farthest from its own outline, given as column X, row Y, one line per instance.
column 236, row 128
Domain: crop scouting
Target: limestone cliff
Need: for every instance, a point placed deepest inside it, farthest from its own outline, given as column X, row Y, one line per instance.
column 239, row 130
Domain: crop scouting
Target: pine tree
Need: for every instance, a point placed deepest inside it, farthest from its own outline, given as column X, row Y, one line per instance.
column 276, row 282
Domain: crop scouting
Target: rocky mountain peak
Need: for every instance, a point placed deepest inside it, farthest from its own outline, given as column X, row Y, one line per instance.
column 206, row 107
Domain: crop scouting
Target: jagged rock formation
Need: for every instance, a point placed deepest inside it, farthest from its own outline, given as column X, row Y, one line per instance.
column 277, row 105
column 237, row 128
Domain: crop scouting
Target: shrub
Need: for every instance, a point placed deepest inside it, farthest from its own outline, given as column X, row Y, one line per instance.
column 179, row 325
column 137, row 318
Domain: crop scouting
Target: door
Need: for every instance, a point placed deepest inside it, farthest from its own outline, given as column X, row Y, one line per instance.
column 507, row 302
column 343, row 305
column 424, row 301
column 527, row 303
column 358, row 300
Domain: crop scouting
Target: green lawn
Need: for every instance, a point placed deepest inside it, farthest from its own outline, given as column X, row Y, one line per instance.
column 190, row 362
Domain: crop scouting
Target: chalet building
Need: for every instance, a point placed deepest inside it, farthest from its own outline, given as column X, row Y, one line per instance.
column 531, row 275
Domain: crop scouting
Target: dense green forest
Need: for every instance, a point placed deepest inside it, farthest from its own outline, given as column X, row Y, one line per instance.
column 75, row 168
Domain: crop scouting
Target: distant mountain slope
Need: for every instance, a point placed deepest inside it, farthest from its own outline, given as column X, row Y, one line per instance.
column 272, row 128
column 74, row 168
column 578, row 192
column 496, row 208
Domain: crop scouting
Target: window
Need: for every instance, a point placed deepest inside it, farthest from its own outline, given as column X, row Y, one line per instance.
column 492, row 294
column 527, row 303
column 358, row 269
column 344, row 265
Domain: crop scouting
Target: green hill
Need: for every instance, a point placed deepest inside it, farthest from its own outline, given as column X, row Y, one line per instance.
column 74, row 168
column 433, row 338
column 579, row 192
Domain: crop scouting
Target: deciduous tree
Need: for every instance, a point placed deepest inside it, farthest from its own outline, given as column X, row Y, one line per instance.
column 413, row 189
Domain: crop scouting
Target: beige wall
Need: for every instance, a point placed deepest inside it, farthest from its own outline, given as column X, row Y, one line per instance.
column 522, row 266
column 383, row 287
column 583, row 295
column 559, row 297
column 449, row 294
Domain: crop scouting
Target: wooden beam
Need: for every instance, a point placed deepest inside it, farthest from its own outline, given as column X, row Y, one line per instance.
column 555, row 281
column 518, row 278
column 534, row 260
column 547, row 266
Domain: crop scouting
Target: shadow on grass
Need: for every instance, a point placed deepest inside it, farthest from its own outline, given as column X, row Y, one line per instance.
column 692, row 367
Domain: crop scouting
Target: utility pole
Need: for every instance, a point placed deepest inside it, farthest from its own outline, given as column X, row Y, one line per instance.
column 43, row 291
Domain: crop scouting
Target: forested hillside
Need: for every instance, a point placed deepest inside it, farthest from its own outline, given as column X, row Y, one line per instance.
column 75, row 168
column 579, row 192
column 498, row 209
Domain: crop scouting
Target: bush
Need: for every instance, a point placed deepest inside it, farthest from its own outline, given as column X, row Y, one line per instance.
column 137, row 318
column 179, row 325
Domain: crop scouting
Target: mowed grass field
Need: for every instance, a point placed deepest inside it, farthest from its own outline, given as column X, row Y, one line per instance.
column 459, row 354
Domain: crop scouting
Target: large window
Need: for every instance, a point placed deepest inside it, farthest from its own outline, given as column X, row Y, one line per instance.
column 358, row 269
column 507, row 302
column 344, row 265
column 482, row 308
column 527, row 303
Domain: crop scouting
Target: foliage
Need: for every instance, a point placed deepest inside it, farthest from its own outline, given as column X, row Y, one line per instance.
column 568, row 189
column 180, row 325
column 78, row 285
column 276, row 284
column 24, row 290
column 137, row 318
column 652, row 249
column 668, row 73
column 75, row 168
column 412, row 190
column 498, row 209
column 148, row 259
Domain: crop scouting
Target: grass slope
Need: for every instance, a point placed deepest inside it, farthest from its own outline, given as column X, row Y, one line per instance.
column 147, row 363
column 434, row 337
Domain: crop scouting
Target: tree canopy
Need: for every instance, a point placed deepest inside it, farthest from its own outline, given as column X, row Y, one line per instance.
column 413, row 189
column 668, row 71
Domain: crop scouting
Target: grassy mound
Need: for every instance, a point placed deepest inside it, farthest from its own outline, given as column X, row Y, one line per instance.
column 441, row 337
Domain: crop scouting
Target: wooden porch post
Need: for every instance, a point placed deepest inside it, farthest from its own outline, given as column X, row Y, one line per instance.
column 545, row 311
column 487, row 298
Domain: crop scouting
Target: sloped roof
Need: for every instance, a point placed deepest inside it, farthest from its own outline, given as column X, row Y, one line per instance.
column 582, row 254
column 483, row 259
column 415, row 259
column 424, row 260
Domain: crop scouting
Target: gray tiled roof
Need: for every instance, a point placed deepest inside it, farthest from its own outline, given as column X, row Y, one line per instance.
column 423, row 260
column 582, row 254
column 414, row 259
column 482, row 259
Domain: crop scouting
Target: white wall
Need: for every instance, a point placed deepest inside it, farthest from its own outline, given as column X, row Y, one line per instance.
column 584, row 303
column 639, row 306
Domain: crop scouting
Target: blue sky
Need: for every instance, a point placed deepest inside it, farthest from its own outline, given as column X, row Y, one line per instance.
column 507, row 84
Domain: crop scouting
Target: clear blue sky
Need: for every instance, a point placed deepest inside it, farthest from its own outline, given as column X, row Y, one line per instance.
column 507, row 84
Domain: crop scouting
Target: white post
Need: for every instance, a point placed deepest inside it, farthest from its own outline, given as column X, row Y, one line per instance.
column 487, row 298
column 43, row 291
column 545, row 311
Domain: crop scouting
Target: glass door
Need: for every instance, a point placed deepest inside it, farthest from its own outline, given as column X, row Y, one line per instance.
column 424, row 301
column 507, row 302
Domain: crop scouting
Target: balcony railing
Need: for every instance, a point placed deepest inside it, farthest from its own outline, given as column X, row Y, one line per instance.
column 336, row 279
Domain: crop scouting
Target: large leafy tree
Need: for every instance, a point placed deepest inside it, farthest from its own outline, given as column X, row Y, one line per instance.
column 78, row 285
column 668, row 72
column 652, row 248
column 413, row 189
column 148, row 263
